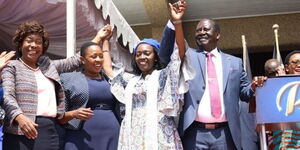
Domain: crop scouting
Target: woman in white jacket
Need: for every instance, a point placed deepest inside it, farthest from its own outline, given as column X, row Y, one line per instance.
column 153, row 96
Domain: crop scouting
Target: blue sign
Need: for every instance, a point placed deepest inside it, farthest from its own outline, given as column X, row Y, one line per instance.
column 278, row 100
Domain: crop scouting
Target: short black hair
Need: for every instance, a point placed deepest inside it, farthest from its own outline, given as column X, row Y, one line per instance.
column 288, row 56
column 217, row 27
column 84, row 46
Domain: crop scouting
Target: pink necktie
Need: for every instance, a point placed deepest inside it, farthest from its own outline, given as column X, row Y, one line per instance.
column 214, row 93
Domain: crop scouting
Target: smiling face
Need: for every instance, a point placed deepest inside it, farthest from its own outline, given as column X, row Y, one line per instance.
column 92, row 60
column 207, row 35
column 32, row 49
column 293, row 67
column 145, row 58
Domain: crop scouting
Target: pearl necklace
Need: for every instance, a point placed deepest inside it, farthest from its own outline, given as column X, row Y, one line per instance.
column 33, row 69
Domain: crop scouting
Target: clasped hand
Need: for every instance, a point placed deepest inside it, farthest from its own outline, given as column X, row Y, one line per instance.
column 258, row 81
column 105, row 33
column 177, row 10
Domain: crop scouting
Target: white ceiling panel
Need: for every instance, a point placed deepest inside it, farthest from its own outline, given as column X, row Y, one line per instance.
column 134, row 11
column 239, row 8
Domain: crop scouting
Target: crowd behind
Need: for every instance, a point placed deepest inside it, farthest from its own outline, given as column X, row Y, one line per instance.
column 176, row 98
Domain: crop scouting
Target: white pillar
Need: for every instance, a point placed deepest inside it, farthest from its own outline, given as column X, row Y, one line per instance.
column 71, row 27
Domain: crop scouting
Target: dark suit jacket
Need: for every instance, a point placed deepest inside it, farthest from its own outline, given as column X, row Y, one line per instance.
column 166, row 45
column 236, row 85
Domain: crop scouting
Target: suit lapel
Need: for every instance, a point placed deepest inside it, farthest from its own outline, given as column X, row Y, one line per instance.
column 226, row 68
column 201, row 59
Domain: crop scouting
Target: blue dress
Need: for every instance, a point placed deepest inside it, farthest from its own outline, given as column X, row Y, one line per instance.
column 101, row 131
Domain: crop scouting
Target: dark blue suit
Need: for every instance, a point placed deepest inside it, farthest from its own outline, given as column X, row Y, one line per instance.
column 236, row 85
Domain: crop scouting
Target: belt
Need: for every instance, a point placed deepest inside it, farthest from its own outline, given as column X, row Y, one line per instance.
column 210, row 125
column 103, row 107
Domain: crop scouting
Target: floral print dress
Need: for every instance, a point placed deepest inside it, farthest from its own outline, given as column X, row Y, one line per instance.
column 171, row 86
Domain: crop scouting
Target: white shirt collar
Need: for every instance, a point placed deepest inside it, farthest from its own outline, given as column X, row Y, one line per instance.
column 215, row 52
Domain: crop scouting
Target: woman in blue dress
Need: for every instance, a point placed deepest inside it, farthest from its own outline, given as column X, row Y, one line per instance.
column 91, row 120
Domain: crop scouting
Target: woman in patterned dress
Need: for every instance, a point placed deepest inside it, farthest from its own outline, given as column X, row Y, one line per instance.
column 153, row 96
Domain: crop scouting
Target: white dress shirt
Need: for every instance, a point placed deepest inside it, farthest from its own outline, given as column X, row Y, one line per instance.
column 204, row 109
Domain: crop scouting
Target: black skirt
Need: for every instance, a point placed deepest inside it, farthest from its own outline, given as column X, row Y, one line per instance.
column 47, row 137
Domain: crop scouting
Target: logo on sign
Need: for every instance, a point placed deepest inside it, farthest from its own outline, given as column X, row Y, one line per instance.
column 291, row 99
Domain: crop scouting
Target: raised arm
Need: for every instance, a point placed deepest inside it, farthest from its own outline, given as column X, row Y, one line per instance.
column 104, row 36
column 107, row 62
column 5, row 57
column 73, row 63
column 176, row 14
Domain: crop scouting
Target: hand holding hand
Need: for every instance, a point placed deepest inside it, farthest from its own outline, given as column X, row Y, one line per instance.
column 177, row 10
column 83, row 113
column 5, row 57
column 105, row 32
column 27, row 126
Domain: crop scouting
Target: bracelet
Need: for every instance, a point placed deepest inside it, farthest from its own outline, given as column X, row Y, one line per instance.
column 177, row 22
column 105, row 51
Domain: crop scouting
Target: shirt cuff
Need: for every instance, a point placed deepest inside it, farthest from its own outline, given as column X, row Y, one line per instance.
column 170, row 25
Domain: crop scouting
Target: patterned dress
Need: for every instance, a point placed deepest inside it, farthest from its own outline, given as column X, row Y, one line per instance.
column 286, row 140
column 169, row 101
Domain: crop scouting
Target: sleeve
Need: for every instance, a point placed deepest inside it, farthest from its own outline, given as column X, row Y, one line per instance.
column 74, row 98
column 10, row 104
column 1, row 93
column 173, row 83
column 167, row 44
column 2, row 112
column 68, row 64
column 64, row 80
column 119, row 111
column 119, row 83
column 246, row 92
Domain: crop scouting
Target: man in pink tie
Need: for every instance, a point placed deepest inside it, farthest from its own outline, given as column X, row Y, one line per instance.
column 210, row 116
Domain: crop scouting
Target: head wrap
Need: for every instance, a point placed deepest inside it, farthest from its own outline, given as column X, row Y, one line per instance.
column 149, row 41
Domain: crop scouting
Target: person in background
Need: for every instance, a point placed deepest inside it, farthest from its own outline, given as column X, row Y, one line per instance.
column 90, row 118
column 153, row 96
column 34, row 96
column 4, row 58
column 289, row 139
column 273, row 68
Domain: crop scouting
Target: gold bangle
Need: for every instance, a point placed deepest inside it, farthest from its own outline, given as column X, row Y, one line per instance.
column 105, row 51
column 177, row 22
